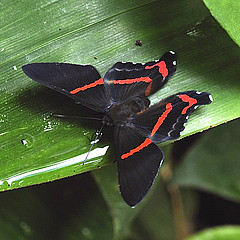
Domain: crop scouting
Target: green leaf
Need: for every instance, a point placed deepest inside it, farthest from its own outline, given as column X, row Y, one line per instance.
column 214, row 163
column 122, row 215
column 227, row 14
column 18, row 216
column 166, row 215
column 218, row 233
column 142, row 221
column 37, row 147
column 155, row 221
column 72, row 208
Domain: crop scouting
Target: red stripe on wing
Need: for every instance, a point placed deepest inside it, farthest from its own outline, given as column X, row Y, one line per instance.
column 87, row 86
column 155, row 128
column 135, row 80
column 162, row 68
column 148, row 90
column 162, row 118
column 137, row 149
column 186, row 98
column 132, row 80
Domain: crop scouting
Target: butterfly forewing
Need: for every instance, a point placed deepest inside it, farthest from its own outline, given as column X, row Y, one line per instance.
column 82, row 83
column 128, row 80
column 165, row 120
column 138, row 160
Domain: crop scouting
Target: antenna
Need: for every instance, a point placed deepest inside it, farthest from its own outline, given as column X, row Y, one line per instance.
column 66, row 116
column 93, row 142
column 97, row 133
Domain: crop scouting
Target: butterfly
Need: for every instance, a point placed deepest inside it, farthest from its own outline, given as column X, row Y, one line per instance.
column 122, row 97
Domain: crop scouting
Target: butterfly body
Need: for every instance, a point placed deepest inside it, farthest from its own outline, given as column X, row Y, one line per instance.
column 122, row 97
column 122, row 113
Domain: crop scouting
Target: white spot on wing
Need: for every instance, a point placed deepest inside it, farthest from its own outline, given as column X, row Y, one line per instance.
column 210, row 97
column 172, row 52
column 174, row 63
column 198, row 92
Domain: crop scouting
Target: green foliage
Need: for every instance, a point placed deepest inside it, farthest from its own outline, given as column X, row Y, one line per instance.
column 76, row 32
column 36, row 147
column 218, row 233
column 214, row 163
column 226, row 13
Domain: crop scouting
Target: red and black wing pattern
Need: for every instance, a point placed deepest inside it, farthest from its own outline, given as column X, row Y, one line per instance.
column 128, row 80
column 165, row 120
column 82, row 83
column 138, row 156
column 138, row 160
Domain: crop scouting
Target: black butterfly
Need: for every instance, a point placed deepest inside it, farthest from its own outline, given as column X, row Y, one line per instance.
column 122, row 97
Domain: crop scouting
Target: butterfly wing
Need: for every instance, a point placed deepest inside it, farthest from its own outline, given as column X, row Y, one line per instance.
column 128, row 80
column 138, row 160
column 165, row 120
column 82, row 83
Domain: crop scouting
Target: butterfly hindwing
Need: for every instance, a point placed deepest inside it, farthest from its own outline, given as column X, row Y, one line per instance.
column 82, row 83
column 138, row 160
column 127, row 80
column 165, row 120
